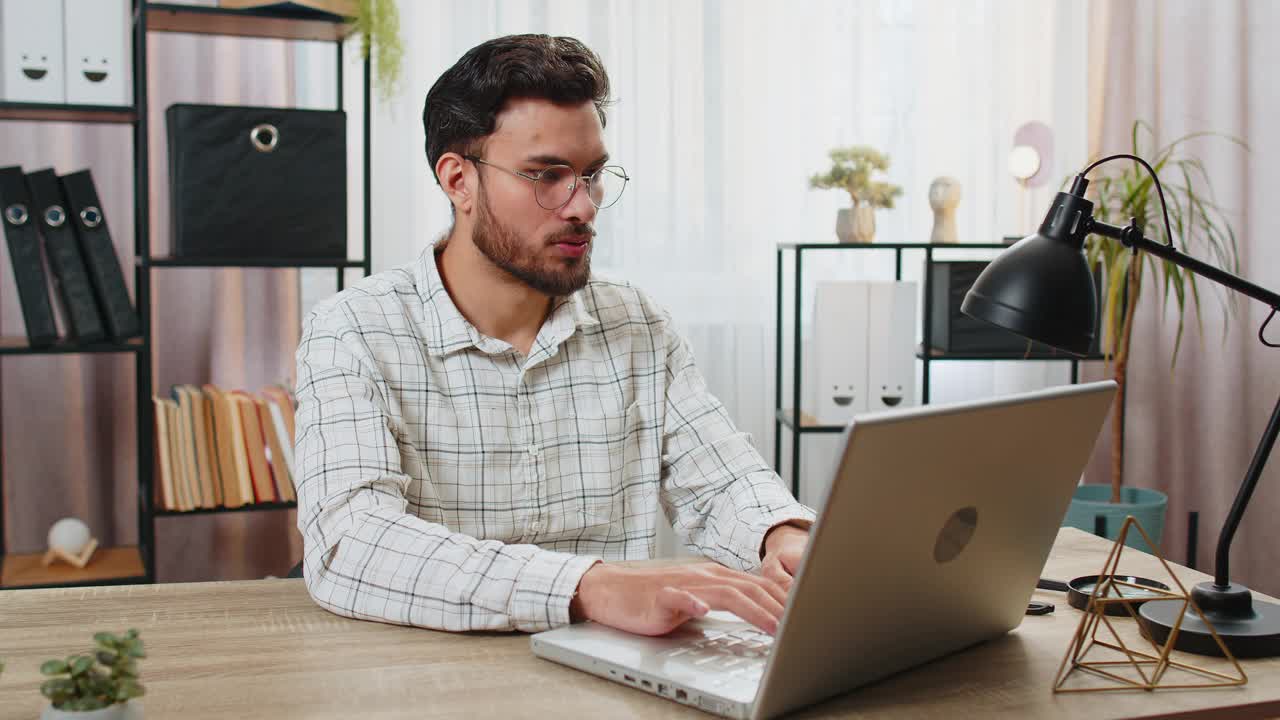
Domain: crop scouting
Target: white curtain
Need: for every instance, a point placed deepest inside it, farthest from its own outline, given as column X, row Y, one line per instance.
column 724, row 109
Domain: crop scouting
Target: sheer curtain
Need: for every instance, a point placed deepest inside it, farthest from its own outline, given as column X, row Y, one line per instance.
column 723, row 111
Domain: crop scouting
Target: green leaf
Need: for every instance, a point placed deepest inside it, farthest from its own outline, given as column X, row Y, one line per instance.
column 81, row 664
column 57, row 688
column 54, row 667
column 105, row 639
column 107, row 657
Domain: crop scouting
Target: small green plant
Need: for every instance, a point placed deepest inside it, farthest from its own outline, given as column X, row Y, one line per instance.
column 91, row 682
column 378, row 23
column 851, row 169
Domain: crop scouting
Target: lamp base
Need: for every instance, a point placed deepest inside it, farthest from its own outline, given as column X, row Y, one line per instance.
column 1249, row 628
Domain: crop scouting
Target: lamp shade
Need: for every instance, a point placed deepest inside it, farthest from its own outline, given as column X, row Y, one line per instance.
column 1041, row 288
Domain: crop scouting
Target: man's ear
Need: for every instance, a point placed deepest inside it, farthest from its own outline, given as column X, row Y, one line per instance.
column 458, row 179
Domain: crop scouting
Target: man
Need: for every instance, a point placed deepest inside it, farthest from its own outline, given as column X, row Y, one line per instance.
column 479, row 429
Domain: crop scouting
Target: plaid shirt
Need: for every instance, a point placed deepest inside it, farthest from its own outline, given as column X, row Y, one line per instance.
column 444, row 481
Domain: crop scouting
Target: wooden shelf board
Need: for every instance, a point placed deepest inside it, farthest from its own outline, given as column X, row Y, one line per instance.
column 107, row 564
column 200, row 20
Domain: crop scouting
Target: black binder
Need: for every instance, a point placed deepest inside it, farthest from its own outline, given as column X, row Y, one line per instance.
column 24, row 254
column 100, row 256
column 71, row 279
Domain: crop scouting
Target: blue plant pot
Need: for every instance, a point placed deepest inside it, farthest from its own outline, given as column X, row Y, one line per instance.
column 1148, row 506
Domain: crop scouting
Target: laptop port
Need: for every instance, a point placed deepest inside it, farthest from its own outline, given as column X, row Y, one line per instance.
column 646, row 683
column 682, row 695
column 628, row 678
column 662, row 689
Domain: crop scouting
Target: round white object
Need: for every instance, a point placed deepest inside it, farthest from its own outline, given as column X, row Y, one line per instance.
column 1024, row 162
column 70, row 535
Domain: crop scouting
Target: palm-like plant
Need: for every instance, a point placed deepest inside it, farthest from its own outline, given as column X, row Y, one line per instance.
column 1200, row 227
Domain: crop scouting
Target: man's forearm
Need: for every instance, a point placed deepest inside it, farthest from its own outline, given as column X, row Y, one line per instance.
column 397, row 568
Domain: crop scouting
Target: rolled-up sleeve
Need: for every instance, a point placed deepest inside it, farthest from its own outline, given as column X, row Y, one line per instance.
column 364, row 556
column 719, row 493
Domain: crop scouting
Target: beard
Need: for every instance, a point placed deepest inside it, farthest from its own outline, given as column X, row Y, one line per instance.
column 506, row 249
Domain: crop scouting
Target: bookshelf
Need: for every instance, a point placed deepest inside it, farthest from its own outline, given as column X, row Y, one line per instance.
column 784, row 414
column 136, row 564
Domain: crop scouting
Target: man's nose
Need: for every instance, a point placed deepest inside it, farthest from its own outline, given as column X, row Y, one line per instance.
column 579, row 209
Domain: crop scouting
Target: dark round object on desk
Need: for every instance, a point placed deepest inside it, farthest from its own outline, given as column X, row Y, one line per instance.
column 1250, row 628
column 1081, row 589
column 1036, row 607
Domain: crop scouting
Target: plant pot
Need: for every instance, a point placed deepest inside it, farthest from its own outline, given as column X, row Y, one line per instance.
column 129, row 711
column 864, row 223
column 844, row 225
column 1092, row 501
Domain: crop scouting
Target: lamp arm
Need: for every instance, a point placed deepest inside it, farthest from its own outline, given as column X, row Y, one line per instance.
column 1132, row 237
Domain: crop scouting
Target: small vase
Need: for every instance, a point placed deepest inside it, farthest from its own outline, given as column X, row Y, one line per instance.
column 864, row 223
column 128, row 711
column 844, row 225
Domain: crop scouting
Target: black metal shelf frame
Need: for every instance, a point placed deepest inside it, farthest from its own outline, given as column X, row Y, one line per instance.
column 788, row 418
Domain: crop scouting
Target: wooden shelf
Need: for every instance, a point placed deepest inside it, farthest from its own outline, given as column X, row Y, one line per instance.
column 16, row 345
column 120, row 565
column 297, row 24
column 66, row 113
column 808, row 424
column 243, row 508
column 168, row 261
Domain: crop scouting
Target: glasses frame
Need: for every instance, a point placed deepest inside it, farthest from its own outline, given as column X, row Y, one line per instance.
column 535, row 179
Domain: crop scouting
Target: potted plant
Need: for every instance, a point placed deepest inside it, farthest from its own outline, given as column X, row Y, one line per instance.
column 1201, row 228
column 96, row 686
column 851, row 170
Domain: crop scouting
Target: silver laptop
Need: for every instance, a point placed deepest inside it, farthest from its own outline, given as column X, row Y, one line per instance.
column 925, row 501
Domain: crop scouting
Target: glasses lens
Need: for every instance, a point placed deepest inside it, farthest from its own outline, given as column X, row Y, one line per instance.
column 554, row 186
column 607, row 185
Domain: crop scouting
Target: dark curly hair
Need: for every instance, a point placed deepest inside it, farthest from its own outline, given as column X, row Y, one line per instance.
column 463, row 104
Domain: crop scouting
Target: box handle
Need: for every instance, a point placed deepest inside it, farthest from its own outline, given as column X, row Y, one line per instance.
column 264, row 137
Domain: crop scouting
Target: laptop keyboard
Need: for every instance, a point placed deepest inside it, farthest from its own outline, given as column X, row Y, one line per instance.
column 737, row 653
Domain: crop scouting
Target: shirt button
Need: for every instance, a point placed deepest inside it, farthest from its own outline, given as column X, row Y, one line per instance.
column 535, row 528
column 533, row 450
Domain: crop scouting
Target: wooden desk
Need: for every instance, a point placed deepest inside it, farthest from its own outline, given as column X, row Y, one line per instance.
column 263, row 649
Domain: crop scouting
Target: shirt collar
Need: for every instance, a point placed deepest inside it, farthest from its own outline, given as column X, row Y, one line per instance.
column 447, row 331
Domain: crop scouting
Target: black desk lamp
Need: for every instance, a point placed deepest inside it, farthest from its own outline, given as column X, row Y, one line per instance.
column 1041, row 288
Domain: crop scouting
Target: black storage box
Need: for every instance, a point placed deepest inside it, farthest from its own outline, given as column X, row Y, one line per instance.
column 955, row 332
column 254, row 183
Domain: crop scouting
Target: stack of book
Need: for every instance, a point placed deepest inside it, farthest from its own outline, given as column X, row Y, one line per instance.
column 224, row 449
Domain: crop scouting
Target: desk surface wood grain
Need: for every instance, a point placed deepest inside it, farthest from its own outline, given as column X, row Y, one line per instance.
column 263, row 649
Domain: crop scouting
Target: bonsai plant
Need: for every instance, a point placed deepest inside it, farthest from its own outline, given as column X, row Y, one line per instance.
column 851, row 170
column 1200, row 227
column 104, row 681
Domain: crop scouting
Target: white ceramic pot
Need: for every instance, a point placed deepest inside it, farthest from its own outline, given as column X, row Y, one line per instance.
column 864, row 223
column 844, row 225
column 129, row 711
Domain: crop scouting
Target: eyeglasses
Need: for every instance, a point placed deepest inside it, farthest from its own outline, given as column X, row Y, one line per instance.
column 553, row 186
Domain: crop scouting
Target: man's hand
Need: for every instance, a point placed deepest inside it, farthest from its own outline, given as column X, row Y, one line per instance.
column 783, row 547
column 655, row 601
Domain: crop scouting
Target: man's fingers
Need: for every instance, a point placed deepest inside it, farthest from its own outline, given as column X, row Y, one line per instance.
column 682, row 601
column 738, row 579
column 778, row 574
column 726, row 597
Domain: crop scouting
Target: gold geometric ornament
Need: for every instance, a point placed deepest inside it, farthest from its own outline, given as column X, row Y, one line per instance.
column 1146, row 671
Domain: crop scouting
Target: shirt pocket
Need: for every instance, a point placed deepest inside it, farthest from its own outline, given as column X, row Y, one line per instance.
column 586, row 474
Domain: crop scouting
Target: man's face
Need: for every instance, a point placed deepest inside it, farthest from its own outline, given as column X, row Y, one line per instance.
column 548, row 250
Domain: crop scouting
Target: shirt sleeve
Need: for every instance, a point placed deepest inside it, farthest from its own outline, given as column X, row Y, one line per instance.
column 720, row 494
column 364, row 556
